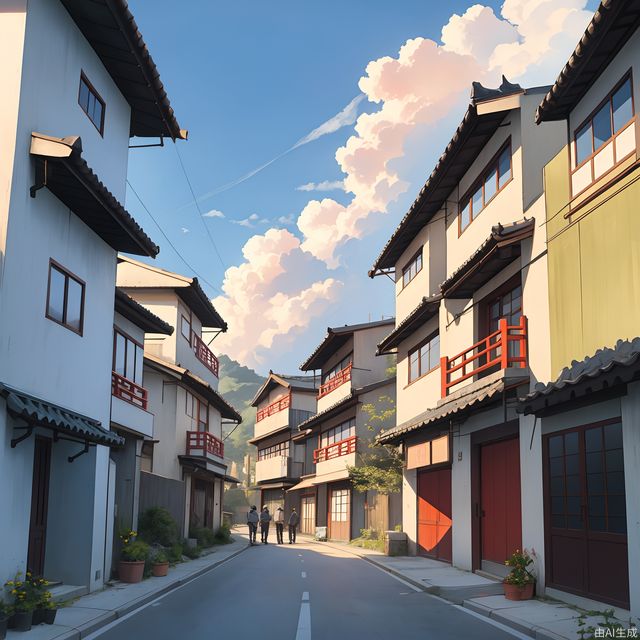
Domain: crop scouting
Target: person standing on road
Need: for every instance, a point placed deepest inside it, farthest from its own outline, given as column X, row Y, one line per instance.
column 294, row 519
column 252, row 522
column 265, row 519
column 278, row 518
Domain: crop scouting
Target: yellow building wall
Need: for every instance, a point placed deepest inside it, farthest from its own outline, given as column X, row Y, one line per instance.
column 594, row 265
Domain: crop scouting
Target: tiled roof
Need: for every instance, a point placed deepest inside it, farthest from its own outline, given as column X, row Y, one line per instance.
column 606, row 368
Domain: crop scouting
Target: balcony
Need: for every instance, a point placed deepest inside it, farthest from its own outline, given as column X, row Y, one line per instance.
column 274, row 407
column 503, row 349
column 129, row 406
column 204, row 354
column 203, row 443
column 335, row 389
column 335, row 450
column 276, row 468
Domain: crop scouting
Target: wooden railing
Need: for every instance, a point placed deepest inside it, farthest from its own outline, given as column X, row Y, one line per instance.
column 274, row 407
column 204, row 354
column 344, row 375
column 335, row 450
column 506, row 347
column 203, row 442
column 128, row 391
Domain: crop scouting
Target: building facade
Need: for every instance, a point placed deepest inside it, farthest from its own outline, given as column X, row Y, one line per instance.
column 70, row 110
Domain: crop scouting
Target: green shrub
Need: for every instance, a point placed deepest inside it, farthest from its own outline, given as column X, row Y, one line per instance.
column 192, row 552
column 223, row 535
column 369, row 539
column 135, row 551
column 175, row 552
column 156, row 526
column 204, row 536
column 160, row 557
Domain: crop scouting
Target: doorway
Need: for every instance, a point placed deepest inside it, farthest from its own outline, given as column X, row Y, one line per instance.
column 308, row 514
column 339, row 513
column 39, row 506
column 434, row 514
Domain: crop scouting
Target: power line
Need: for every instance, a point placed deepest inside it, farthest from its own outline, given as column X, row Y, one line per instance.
column 144, row 206
column 195, row 201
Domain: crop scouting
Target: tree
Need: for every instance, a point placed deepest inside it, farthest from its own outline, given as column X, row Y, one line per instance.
column 381, row 465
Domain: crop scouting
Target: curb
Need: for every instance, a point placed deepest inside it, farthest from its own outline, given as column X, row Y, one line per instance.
column 76, row 633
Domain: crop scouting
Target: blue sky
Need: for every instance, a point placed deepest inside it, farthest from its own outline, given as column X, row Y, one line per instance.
column 249, row 79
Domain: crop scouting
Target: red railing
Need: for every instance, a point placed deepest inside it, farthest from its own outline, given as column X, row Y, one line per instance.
column 204, row 354
column 506, row 347
column 274, row 407
column 128, row 391
column 199, row 442
column 335, row 450
column 344, row 375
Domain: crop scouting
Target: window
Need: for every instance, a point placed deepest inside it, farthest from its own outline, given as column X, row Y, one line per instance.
column 615, row 112
column 494, row 178
column 412, row 269
column 185, row 328
column 424, row 358
column 197, row 410
column 343, row 364
column 275, row 451
column 92, row 104
column 339, row 433
column 128, row 357
column 65, row 298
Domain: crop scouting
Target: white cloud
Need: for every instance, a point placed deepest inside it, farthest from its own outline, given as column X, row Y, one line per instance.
column 184, row 230
column 214, row 213
column 286, row 219
column 325, row 185
column 246, row 222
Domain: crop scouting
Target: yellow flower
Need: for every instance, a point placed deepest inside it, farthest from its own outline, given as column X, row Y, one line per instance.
column 13, row 592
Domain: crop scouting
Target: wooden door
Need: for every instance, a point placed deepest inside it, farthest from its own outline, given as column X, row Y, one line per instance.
column 500, row 502
column 308, row 514
column 339, row 513
column 585, row 512
column 201, row 504
column 434, row 514
column 39, row 506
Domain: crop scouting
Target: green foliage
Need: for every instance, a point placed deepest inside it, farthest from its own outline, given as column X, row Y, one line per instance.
column 519, row 563
column 380, row 467
column 204, row 536
column 175, row 552
column 192, row 552
column 24, row 595
column 609, row 627
column 391, row 369
column 160, row 557
column 135, row 551
column 369, row 539
column 157, row 526
column 223, row 535
column 398, row 528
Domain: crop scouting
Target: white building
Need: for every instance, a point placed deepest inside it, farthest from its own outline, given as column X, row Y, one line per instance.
column 78, row 83
column 183, row 468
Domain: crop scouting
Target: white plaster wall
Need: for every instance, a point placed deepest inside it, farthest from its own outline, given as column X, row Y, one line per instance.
column 128, row 327
column 410, row 508
column 461, row 499
column 304, row 401
column 367, row 367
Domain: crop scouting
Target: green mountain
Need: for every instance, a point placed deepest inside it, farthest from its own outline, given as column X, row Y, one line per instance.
column 238, row 385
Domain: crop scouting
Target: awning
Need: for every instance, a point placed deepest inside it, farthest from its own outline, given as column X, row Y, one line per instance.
column 38, row 413
column 342, row 474
column 61, row 168
column 499, row 250
column 307, row 483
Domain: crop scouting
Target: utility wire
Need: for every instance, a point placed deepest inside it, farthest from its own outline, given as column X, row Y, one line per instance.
column 144, row 206
column 200, row 214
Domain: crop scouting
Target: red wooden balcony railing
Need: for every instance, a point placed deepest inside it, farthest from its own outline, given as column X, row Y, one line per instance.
column 203, row 442
column 128, row 391
column 204, row 354
column 335, row 450
column 506, row 347
column 274, row 407
column 344, row 375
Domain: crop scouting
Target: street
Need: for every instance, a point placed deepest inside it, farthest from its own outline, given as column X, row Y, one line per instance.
column 272, row 591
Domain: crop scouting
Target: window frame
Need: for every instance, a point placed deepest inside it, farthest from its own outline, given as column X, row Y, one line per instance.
column 335, row 370
column 97, row 96
column 195, row 415
column 53, row 264
column 128, row 339
column 323, row 437
column 628, row 75
column 418, row 348
column 278, row 450
column 409, row 264
column 493, row 164
column 188, row 320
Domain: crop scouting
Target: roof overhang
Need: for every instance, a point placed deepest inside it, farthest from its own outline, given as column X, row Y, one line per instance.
column 305, row 483
column 291, row 383
column 499, row 250
column 111, row 30
column 330, row 412
column 613, row 23
column 140, row 316
column 197, row 300
column 61, row 168
column 275, row 432
column 427, row 309
column 203, row 466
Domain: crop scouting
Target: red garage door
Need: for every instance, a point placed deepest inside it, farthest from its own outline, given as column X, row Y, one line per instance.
column 434, row 514
column 501, row 519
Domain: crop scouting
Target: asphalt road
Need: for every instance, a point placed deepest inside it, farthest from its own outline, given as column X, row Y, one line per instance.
column 299, row 592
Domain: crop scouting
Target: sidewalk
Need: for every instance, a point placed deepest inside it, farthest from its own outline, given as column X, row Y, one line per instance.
column 91, row 612
column 540, row 619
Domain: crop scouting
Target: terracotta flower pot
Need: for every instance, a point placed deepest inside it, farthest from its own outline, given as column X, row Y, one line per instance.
column 518, row 592
column 49, row 616
column 131, row 572
column 160, row 569
column 22, row 620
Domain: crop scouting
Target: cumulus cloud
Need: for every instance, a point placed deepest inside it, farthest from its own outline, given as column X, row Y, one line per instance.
column 325, row 185
column 265, row 298
column 286, row 219
column 214, row 213
column 185, row 230
column 247, row 222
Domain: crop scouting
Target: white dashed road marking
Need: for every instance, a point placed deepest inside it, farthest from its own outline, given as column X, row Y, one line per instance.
column 304, row 620
column 304, row 574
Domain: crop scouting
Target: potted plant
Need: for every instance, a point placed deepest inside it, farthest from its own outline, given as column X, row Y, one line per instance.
column 132, row 558
column 160, row 565
column 23, row 604
column 520, row 583
column 46, row 609
column 5, row 613
column 41, row 597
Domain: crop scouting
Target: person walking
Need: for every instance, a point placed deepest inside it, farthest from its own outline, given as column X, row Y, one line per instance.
column 278, row 518
column 294, row 519
column 265, row 519
column 252, row 522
